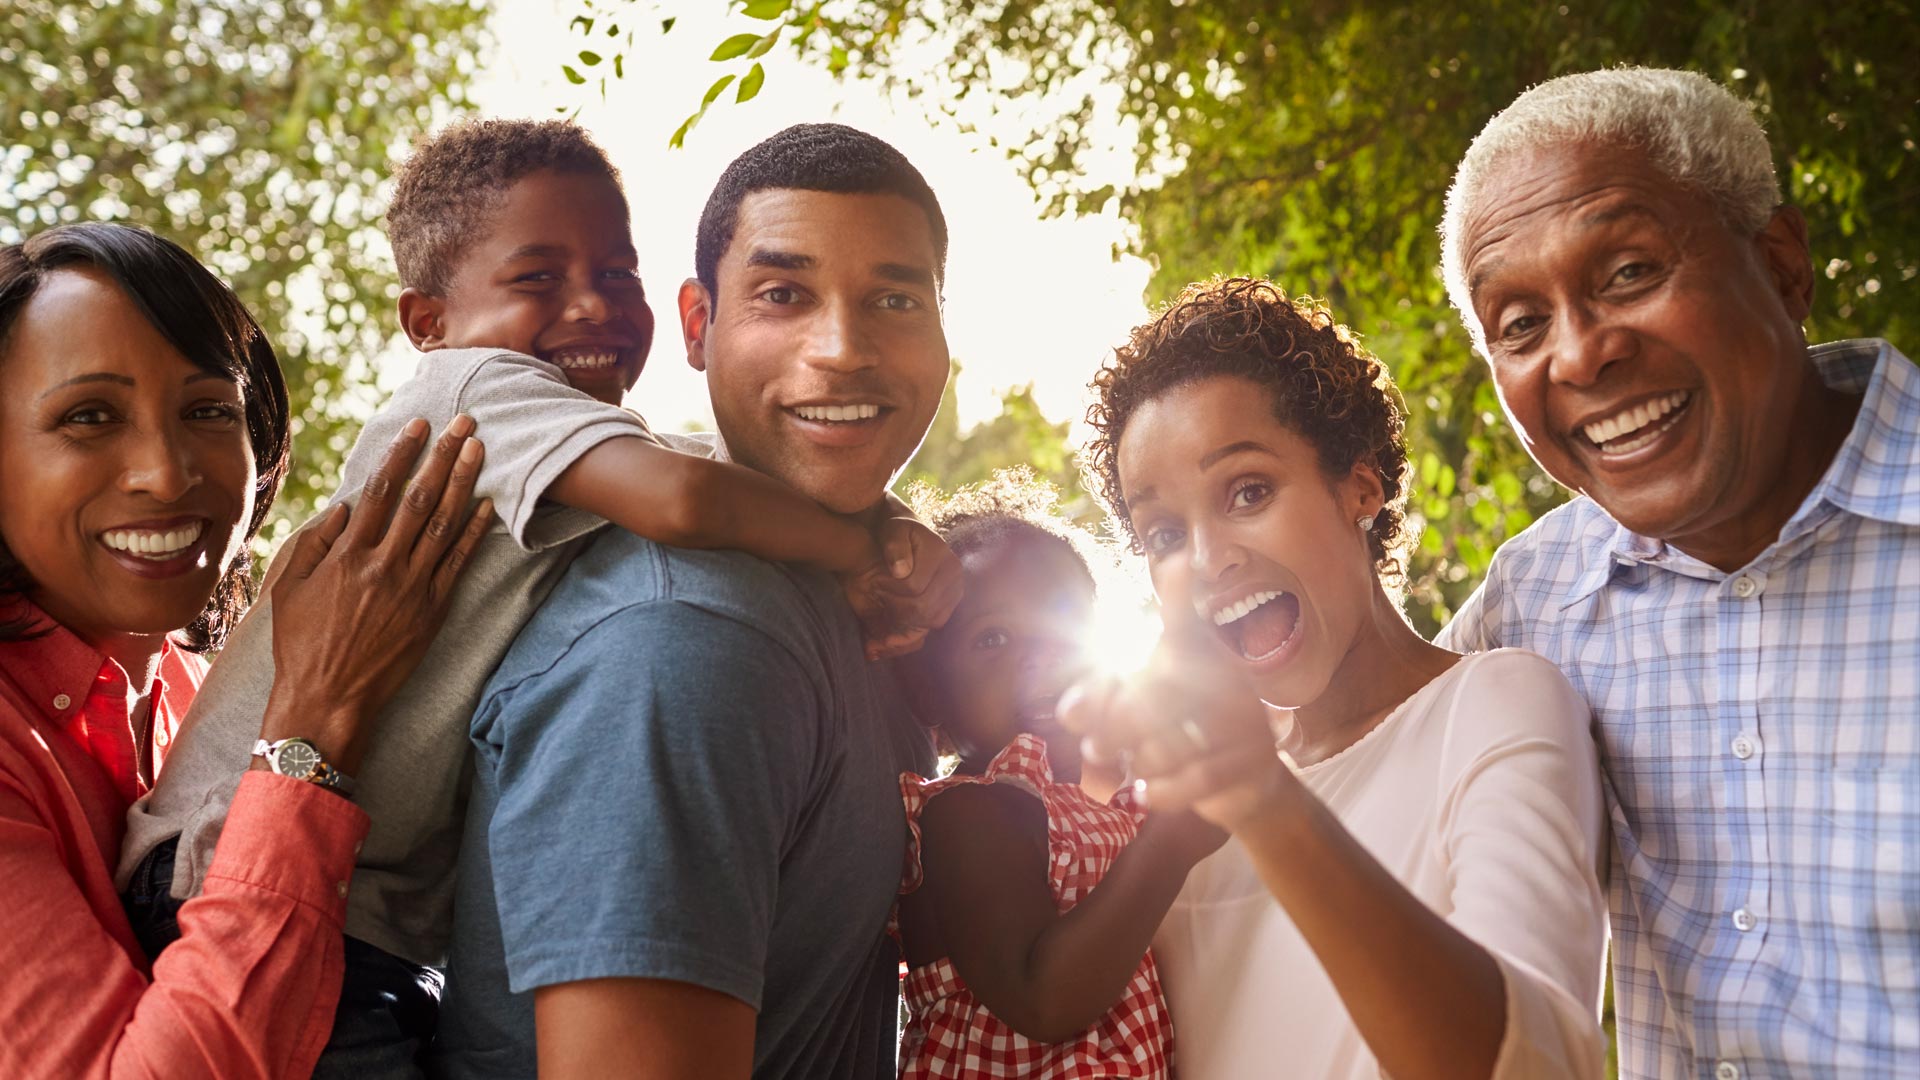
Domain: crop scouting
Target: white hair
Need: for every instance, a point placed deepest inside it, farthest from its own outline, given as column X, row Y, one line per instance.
column 1691, row 129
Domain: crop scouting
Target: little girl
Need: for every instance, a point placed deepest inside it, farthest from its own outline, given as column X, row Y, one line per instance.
column 1027, row 905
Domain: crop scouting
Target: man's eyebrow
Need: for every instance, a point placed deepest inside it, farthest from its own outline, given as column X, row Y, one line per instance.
column 98, row 376
column 905, row 274
column 1213, row 457
column 780, row 260
column 1486, row 270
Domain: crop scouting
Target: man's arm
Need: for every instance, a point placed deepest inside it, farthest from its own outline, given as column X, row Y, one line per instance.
column 645, row 1029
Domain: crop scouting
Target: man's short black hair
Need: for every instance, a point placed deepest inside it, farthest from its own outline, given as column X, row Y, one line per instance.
column 450, row 184
column 812, row 157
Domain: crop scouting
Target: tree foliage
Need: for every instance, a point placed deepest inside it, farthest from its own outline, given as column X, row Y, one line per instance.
column 1019, row 435
column 259, row 135
column 1312, row 142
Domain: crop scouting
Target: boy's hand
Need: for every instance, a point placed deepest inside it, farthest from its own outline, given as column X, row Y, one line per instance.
column 912, row 588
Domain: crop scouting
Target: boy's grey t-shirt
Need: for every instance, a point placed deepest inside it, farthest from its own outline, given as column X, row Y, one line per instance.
column 413, row 781
column 685, row 770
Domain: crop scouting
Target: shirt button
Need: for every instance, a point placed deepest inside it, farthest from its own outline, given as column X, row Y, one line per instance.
column 1726, row 1070
column 61, row 701
column 1744, row 586
column 341, row 888
column 1743, row 747
column 1743, row 921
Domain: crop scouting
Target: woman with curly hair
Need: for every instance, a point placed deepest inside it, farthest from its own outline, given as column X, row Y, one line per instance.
column 1411, row 887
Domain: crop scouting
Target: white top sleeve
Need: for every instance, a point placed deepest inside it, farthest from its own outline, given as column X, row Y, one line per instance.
column 1523, row 822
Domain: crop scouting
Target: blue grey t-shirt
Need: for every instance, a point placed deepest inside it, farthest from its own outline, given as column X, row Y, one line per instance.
column 686, row 770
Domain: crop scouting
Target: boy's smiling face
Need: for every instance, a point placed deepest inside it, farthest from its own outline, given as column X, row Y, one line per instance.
column 555, row 277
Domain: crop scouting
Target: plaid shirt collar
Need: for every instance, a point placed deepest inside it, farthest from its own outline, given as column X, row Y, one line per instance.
column 1876, row 473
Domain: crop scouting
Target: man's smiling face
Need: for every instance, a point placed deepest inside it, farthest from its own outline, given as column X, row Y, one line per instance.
column 824, row 349
column 1651, row 356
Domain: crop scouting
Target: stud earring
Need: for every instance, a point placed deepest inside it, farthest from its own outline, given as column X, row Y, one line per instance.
column 1364, row 522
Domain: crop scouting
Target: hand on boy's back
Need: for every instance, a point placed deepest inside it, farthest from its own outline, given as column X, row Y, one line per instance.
column 909, row 591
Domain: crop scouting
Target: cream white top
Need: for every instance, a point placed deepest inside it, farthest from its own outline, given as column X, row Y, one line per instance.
column 1481, row 794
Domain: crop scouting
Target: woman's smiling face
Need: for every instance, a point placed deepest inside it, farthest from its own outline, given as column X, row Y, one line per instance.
column 128, row 471
column 1249, row 542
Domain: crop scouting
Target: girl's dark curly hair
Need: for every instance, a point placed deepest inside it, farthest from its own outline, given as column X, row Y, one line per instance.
column 1014, row 505
column 1324, row 387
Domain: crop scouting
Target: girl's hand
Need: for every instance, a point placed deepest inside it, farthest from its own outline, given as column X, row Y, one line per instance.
column 1194, row 735
column 363, row 593
column 910, row 591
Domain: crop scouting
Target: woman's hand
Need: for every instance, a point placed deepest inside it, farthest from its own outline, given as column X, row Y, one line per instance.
column 363, row 592
column 1193, row 733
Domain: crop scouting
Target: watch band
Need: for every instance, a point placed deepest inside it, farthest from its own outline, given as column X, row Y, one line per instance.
column 320, row 772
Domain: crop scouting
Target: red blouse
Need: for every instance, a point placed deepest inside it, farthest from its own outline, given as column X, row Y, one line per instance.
column 249, row 989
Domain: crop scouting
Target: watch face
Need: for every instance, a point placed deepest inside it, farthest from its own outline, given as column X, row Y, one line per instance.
column 296, row 759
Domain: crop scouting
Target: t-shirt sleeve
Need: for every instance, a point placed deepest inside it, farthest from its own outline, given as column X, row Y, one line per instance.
column 644, row 800
column 534, row 426
column 1523, row 827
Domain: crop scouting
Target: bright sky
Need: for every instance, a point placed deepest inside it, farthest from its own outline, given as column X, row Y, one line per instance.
column 1027, row 300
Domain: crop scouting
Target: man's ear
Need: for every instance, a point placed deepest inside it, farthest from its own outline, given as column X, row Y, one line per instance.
column 696, row 320
column 1783, row 243
column 423, row 318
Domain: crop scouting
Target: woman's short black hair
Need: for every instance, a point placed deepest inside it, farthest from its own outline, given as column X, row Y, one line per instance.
column 812, row 157
column 207, row 323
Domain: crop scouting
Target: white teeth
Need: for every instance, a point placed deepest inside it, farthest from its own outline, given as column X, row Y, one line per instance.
column 1631, row 420
column 1236, row 612
column 576, row 361
column 156, row 544
column 836, row 412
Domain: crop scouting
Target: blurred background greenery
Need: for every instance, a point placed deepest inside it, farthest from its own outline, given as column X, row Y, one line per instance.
column 1308, row 142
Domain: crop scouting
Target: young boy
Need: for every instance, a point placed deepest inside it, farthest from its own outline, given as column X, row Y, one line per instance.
column 514, row 247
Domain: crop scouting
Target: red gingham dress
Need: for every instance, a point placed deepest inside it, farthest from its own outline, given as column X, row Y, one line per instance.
column 949, row 1034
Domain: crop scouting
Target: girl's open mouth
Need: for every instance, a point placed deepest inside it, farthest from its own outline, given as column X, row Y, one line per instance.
column 1261, row 626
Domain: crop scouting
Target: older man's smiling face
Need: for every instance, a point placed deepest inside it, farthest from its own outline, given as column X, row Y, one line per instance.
column 1650, row 355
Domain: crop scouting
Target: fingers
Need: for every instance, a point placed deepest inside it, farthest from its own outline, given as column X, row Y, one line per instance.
column 457, row 559
column 382, row 487
column 441, row 528
column 899, row 643
column 898, row 539
column 422, row 495
column 311, row 546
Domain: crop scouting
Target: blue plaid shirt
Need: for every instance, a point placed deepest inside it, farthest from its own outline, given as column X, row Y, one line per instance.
column 1760, row 736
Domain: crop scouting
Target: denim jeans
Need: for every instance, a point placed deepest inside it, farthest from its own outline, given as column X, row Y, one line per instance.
column 388, row 1006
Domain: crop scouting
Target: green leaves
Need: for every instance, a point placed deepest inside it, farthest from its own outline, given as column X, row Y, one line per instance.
column 737, row 45
column 750, row 85
column 766, row 9
column 261, row 138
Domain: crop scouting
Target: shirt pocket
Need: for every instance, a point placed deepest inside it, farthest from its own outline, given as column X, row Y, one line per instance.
column 1871, row 851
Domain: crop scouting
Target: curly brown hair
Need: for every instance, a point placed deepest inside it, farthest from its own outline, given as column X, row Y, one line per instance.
column 1324, row 386
column 1014, row 505
column 446, row 189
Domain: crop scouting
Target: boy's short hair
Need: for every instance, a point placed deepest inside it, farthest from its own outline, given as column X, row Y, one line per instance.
column 450, row 184
column 812, row 157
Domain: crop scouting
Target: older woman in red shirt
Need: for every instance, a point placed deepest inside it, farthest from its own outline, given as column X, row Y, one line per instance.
column 143, row 433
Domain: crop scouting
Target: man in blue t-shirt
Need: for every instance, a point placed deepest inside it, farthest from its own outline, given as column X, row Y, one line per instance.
column 686, row 830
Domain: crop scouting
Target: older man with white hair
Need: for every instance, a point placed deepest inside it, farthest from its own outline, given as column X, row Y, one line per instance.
column 1736, row 591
